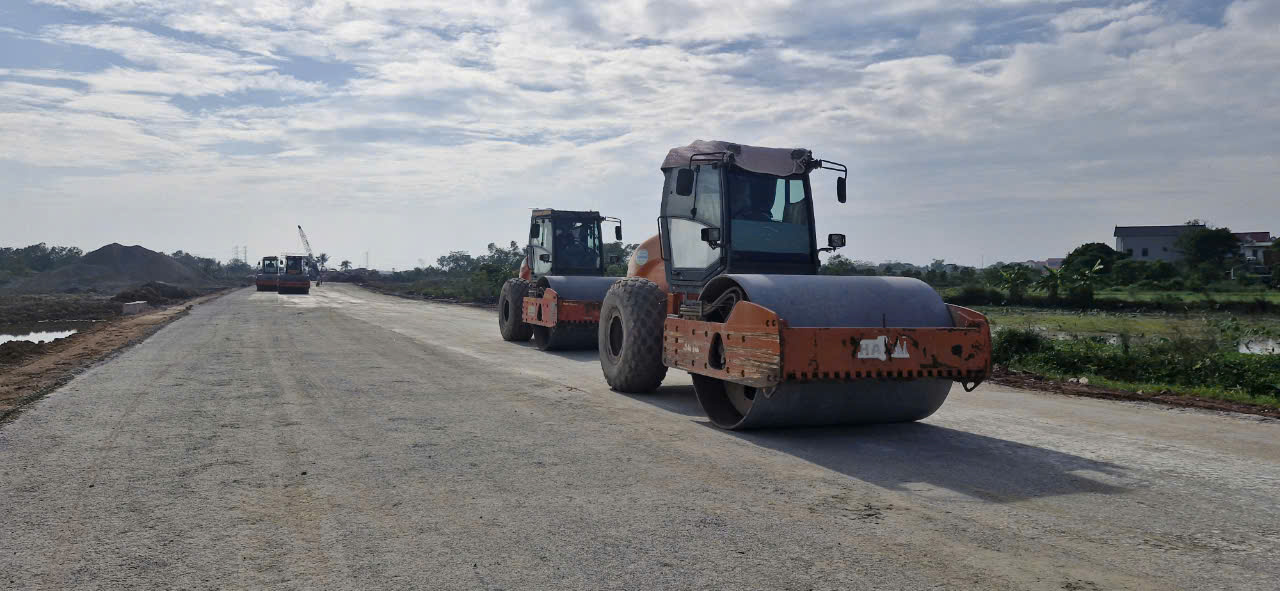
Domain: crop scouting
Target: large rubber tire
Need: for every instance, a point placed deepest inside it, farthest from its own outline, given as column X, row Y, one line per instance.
column 510, row 317
column 630, row 335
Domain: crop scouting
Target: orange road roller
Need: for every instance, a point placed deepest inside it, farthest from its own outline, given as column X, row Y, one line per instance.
column 556, row 299
column 729, row 291
column 268, row 276
column 294, row 278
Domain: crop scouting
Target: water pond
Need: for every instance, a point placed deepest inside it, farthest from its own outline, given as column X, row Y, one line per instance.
column 43, row 336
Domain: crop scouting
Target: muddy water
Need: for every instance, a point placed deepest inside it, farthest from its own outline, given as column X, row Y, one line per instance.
column 44, row 336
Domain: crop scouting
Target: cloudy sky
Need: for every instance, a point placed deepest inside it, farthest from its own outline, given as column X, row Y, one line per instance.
column 974, row 129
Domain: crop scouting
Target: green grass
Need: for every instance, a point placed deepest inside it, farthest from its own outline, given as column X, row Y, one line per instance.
column 1146, row 325
column 1213, row 393
column 1204, row 364
column 1122, row 294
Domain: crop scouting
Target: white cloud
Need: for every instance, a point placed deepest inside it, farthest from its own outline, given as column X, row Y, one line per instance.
column 471, row 112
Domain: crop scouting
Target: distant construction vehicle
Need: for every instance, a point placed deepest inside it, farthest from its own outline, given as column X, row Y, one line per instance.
column 295, row 279
column 312, row 262
column 556, row 299
column 268, row 274
column 729, row 291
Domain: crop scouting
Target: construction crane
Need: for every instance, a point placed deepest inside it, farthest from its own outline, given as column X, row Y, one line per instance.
column 311, row 257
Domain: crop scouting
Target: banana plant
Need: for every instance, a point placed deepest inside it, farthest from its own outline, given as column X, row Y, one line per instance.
column 1085, row 280
column 1053, row 281
column 1015, row 279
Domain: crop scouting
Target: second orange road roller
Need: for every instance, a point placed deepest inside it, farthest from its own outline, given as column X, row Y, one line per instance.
column 729, row 291
column 556, row 299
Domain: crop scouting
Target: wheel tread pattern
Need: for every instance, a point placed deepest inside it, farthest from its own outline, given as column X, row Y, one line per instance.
column 641, row 307
column 516, row 329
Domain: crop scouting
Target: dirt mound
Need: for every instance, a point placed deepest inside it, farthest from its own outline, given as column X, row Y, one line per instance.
column 156, row 293
column 112, row 268
column 15, row 352
column 35, row 308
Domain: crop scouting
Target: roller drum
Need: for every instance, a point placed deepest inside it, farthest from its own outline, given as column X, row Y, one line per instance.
column 579, row 288
column 829, row 301
column 579, row 335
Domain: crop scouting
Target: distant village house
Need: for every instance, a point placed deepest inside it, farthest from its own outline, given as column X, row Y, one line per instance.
column 1152, row 243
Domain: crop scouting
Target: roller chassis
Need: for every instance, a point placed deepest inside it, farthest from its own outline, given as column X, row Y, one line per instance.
column 543, row 307
column 266, row 283
column 754, row 347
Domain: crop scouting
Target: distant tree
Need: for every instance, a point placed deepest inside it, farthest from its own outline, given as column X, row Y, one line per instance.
column 991, row 276
column 967, row 275
column 323, row 259
column 1161, row 271
column 1086, row 255
column 838, row 264
column 1015, row 279
column 1053, row 282
column 1085, row 282
column 238, row 268
column 345, row 265
column 623, row 252
column 1129, row 271
column 935, row 277
column 456, row 260
column 1208, row 245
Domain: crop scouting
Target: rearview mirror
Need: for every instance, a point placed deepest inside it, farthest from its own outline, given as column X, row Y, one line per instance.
column 684, row 182
column 835, row 241
column 617, row 232
column 534, row 230
column 546, row 258
column 710, row 235
column 840, row 195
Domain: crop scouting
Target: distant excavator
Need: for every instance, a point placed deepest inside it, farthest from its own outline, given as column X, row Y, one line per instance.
column 312, row 263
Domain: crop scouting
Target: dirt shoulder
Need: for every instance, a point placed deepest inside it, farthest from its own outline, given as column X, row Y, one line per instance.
column 1030, row 381
column 56, row 363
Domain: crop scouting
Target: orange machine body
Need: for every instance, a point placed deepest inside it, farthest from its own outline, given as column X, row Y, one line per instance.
column 550, row 310
column 757, row 348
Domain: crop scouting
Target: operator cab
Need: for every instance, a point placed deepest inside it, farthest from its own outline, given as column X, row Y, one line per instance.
column 567, row 243
column 728, row 208
column 293, row 265
column 270, row 265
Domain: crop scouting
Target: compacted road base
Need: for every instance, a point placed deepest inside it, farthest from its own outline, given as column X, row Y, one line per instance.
column 349, row 440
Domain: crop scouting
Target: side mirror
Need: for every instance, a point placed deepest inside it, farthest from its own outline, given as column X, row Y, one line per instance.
column 617, row 232
column 614, row 259
column 544, row 257
column 684, row 182
column 840, row 194
column 835, row 241
column 711, row 235
column 534, row 230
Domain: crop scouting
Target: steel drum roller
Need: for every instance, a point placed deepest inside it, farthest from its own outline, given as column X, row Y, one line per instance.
column 829, row 301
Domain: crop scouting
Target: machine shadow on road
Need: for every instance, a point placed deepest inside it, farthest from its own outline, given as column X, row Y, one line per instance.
column 577, row 356
column 917, row 456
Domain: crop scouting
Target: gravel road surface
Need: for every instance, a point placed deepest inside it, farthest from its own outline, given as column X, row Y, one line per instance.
column 350, row 440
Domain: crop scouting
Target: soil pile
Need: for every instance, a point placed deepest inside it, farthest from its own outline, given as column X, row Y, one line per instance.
column 112, row 268
column 16, row 309
column 15, row 352
column 156, row 293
